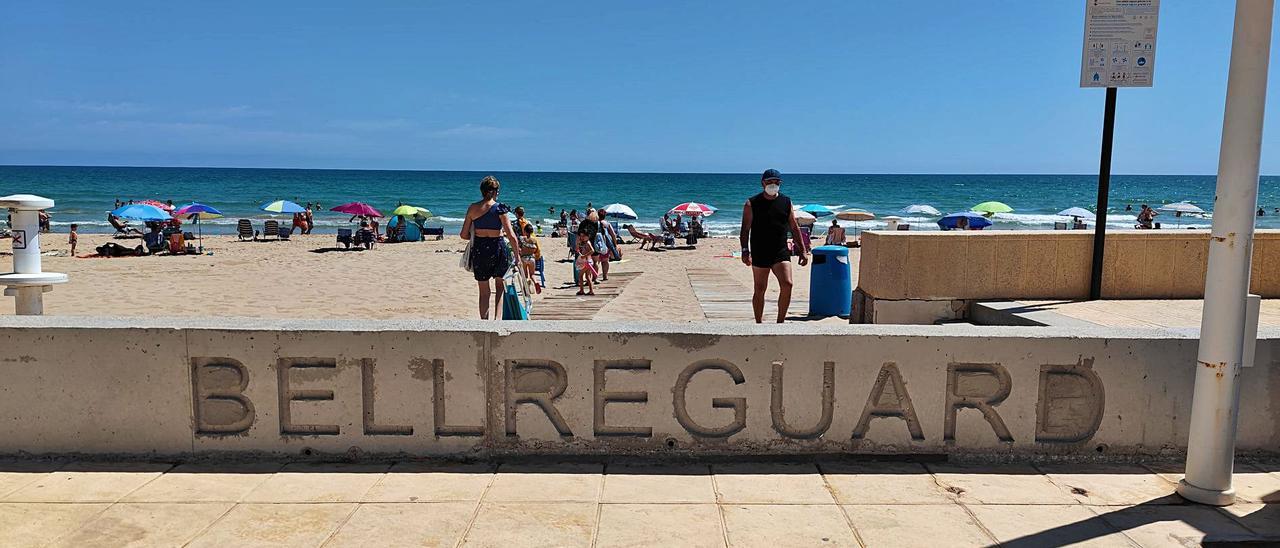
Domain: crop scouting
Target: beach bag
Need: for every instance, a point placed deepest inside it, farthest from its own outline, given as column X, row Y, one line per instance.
column 465, row 261
column 512, row 307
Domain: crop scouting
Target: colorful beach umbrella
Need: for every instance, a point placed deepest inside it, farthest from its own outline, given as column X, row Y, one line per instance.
column 282, row 206
column 693, row 209
column 620, row 211
column 196, row 211
column 953, row 220
column 359, row 209
column 1077, row 212
column 142, row 212
column 920, row 209
column 156, row 203
column 991, row 207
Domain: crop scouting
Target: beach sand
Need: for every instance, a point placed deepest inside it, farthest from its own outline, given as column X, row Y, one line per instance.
column 421, row 280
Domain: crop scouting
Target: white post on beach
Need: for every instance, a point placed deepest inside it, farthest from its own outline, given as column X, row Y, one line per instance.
column 27, row 283
column 1216, row 404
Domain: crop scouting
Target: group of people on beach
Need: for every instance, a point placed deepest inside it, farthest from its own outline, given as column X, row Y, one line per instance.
column 770, row 236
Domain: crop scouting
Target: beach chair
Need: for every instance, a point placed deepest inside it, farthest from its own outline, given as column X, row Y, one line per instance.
column 154, row 241
column 1059, row 225
column 271, row 228
column 397, row 233
column 438, row 232
column 176, row 245
column 244, row 229
column 344, row 237
column 904, row 226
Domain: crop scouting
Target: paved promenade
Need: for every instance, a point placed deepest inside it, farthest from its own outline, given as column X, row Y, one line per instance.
column 590, row 504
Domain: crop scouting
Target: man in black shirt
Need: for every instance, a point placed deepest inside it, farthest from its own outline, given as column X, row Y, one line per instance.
column 767, row 217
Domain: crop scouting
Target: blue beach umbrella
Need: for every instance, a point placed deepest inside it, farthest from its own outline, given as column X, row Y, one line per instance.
column 141, row 212
column 976, row 220
column 817, row 210
column 282, row 206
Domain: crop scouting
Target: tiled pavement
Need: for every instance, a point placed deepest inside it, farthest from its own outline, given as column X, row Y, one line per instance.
column 739, row 504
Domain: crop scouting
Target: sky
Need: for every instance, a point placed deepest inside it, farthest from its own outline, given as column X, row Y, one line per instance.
column 843, row 86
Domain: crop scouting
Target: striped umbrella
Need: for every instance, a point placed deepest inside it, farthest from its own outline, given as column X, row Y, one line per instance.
column 282, row 206
column 693, row 209
column 196, row 211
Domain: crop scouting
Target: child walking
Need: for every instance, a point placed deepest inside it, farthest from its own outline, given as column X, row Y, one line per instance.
column 586, row 272
column 73, row 238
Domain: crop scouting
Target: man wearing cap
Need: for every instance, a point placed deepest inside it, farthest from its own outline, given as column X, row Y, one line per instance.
column 766, row 219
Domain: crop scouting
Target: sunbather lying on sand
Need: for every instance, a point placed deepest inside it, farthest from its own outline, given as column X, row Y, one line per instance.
column 651, row 239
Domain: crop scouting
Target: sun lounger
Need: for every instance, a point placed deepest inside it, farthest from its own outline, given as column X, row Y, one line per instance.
column 271, row 228
column 438, row 232
column 244, row 229
column 123, row 230
column 344, row 237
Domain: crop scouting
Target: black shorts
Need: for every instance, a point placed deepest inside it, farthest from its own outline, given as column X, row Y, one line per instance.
column 490, row 258
column 766, row 259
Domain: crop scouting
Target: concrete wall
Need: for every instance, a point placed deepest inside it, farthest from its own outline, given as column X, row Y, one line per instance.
column 1044, row 264
column 101, row 386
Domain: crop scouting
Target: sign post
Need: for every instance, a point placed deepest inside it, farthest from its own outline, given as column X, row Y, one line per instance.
column 1119, row 51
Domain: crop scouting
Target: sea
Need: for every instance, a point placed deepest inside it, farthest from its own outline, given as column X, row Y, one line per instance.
column 84, row 195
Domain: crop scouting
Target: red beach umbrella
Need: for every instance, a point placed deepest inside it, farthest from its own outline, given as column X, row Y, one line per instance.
column 692, row 208
column 358, row 208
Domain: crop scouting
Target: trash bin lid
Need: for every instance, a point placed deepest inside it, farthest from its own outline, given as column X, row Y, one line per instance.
column 832, row 250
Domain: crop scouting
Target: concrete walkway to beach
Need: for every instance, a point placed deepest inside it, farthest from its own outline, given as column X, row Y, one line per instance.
column 411, row 503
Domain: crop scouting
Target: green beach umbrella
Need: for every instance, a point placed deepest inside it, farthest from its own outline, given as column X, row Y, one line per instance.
column 991, row 208
column 411, row 211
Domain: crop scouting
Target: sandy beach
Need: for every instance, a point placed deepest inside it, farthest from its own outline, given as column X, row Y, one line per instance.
column 294, row 279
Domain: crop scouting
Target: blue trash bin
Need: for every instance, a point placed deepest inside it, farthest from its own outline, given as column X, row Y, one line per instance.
column 830, row 282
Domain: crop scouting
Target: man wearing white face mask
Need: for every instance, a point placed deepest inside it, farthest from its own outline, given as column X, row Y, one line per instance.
column 767, row 217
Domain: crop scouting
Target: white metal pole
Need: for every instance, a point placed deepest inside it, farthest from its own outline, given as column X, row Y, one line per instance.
column 1215, row 407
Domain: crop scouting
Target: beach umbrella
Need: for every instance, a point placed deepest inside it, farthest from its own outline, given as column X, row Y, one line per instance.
column 692, row 208
column 197, row 212
column 953, row 220
column 920, row 209
column 817, row 210
column 620, row 211
column 991, row 208
column 1181, row 207
column 804, row 217
column 410, row 211
column 282, row 206
column 142, row 212
column 358, row 209
column 1077, row 212
column 855, row 215
column 156, row 203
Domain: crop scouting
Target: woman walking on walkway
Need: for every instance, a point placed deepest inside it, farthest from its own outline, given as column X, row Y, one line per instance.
column 485, row 225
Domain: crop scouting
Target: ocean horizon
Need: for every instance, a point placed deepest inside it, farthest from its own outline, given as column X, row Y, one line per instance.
column 84, row 194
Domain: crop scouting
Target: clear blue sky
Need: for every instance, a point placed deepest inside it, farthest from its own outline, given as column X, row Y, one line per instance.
column 833, row 86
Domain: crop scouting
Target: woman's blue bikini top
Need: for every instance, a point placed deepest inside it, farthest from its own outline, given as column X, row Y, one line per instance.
column 490, row 220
